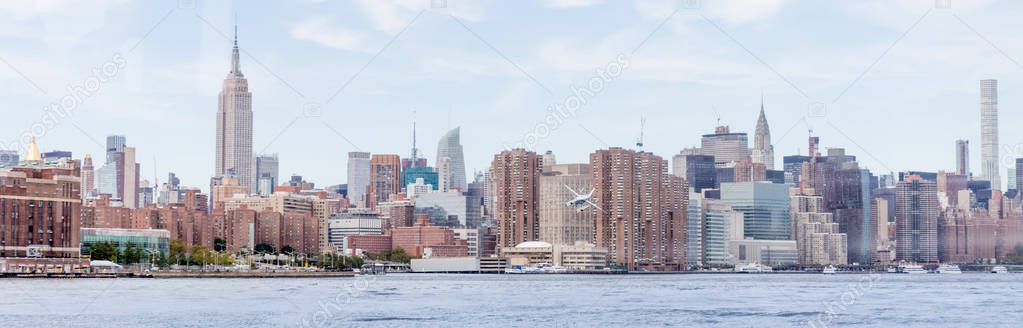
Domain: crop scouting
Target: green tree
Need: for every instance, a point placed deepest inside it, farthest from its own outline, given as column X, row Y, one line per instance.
column 103, row 251
column 225, row 259
column 132, row 254
column 264, row 248
column 287, row 249
column 1016, row 255
column 219, row 244
column 161, row 259
column 177, row 252
column 201, row 255
column 398, row 255
column 355, row 262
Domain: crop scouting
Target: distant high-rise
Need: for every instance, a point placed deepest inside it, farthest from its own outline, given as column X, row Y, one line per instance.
column 131, row 179
column 119, row 177
column 916, row 212
column 115, row 143
column 989, row 133
column 816, row 232
column 763, row 151
column 358, row 177
column 721, row 225
column 444, row 174
column 765, row 207
column 726, row 147
column 1019, row 175
column 9, row 158
column 516, row 176
column 88, row 177
column 548, row 159
column 560, row 224
column 694, row 230
column 385, row 178
column 234, row 125
column 450, row 147
column 267, row 173
column 963, row 157
column 642, row 209
column 697, row 170
column 55, row 155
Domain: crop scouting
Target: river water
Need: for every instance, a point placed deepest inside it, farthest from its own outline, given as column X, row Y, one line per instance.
column 416, row 300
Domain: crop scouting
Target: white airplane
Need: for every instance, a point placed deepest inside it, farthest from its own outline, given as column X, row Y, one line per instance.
column 581, row 202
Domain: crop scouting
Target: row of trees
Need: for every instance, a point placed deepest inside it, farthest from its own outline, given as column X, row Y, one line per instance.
column 1016, row 255
column 180, row 253
column 337, row 262
column 107, row 251
column 270, row 249
column 396, row 254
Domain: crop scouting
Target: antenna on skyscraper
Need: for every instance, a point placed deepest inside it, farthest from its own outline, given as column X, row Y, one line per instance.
column 642, row 124
column 156, row 178
column 415, row 151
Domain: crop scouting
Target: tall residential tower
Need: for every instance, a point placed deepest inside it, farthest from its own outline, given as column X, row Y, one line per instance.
column 989, row 132
column 963, row 157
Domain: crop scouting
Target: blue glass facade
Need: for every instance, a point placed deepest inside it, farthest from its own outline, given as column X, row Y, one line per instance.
column 765, row 207
column 427, row 173
column 154, row 241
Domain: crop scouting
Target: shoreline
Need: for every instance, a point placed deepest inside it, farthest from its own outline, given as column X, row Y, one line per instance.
column 174, row 275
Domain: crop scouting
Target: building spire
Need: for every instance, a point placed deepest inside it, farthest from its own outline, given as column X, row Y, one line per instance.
column 761, row 102
column 236, row 70
column 33, row 151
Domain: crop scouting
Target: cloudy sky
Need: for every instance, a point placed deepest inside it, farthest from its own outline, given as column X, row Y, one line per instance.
column 895, row 82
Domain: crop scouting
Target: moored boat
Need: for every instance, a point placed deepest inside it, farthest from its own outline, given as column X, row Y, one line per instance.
column 912, row 269
column 949, row 269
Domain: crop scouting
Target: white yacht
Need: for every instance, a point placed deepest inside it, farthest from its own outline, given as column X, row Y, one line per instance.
column 830, row 269
column 753, row 268
column 892, row 270
column 912, row 269
column 999, row 269
column 949, row 269
column 518, row 269
column 554, row 269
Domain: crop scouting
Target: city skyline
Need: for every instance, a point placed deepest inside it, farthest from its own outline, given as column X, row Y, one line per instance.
column 287, row 123
column 432, row 163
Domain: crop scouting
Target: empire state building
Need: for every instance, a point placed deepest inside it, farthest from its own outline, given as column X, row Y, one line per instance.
column 234, row 125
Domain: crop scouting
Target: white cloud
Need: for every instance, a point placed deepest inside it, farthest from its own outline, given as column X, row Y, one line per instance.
column 900, row 14
column 573, row 3
column 393, row 16
column 322, row 31
column 744, row 11
column 729, row 11
column 53, row 21
column 463, row 64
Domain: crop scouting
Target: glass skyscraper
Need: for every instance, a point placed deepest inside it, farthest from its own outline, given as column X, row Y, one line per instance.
column 765, row 208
